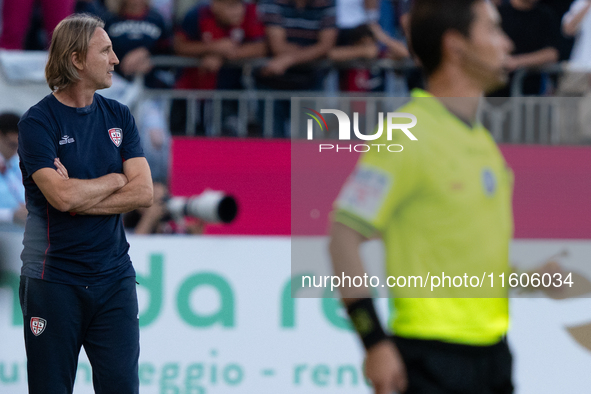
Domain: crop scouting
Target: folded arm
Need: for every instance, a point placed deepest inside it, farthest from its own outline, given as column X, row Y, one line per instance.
column 287, row 55
column 249, row 50
column 67, row 194
column 396, row 49
column 137, row 193
column 277, row 39
column 533, row 59
column 185, row 47
column 326, row 41
column 365, row 49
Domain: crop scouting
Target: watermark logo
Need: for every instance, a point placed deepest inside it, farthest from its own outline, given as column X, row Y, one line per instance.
column 315, row 116
column 392, row 119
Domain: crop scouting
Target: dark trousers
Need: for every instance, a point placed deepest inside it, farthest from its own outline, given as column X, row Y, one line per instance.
column 436, row 367
column 59, row 319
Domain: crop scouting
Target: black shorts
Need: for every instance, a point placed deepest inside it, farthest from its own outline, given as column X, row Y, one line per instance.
column 435, row 367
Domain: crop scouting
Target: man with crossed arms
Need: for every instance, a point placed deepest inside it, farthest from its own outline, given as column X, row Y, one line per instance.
column 82, row 167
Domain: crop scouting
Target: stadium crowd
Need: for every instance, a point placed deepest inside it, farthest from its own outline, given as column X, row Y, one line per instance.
column 221, row 31
column 301, row 42
column 293, row 35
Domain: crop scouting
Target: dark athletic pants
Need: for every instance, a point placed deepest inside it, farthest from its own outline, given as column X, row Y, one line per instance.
column 102, row 318
column 436, row 367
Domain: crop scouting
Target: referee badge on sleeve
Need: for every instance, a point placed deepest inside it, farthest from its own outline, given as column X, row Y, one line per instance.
column 365, row 192
column 38, row 325
column 489, row 182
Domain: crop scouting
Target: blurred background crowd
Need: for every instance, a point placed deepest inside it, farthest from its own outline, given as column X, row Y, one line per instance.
column 294, row 35
column 290, row 33
column 268, row 51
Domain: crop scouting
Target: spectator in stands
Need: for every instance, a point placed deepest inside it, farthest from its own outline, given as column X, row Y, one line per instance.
column 558, row 9
column 533, row 31
column 217, row 32
column 402, row 8
column 16, row 17
column 12, row 191
column 97, row 7
column 354, row 14
column 137, row 32
column 357, row 43
column 414, row 77
column 224, row 30
column 166, row 9
column 298, row 32
column 577, row 22
column 37, row 38
column 361, row 37
column 389, row 19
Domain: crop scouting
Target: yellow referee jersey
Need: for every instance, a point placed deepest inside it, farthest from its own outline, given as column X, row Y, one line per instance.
column 442, row 207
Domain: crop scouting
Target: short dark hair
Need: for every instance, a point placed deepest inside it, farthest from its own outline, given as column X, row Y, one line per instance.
column 9, row 123
column 430, row 19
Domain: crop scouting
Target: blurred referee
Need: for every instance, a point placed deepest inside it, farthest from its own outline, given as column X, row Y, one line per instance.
column 82, row 167
column 443, row 203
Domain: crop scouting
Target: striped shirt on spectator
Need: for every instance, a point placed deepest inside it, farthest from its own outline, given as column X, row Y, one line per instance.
column 302, row 25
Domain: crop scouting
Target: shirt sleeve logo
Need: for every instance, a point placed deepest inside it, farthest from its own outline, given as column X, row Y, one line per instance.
column 365, row 191
column 489, row 182
column 116, row 136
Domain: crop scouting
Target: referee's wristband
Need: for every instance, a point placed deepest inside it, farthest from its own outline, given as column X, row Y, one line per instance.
column 365, row 320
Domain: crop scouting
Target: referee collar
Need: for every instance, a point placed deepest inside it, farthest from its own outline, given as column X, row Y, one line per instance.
column 437, row 106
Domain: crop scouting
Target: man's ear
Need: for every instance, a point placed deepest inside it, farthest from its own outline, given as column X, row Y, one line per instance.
column 453, row 46
column 77, row 62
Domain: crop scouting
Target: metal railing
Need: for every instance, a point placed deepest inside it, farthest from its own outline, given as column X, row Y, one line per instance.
column 548, row 120
column 249, row 99
column 532, row 119
column 524, row 120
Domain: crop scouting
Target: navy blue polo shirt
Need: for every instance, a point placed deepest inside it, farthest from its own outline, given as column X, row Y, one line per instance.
column 90, row 142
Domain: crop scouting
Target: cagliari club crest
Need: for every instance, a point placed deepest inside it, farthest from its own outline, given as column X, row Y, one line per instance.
column 38, row 325
column 116, row 136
